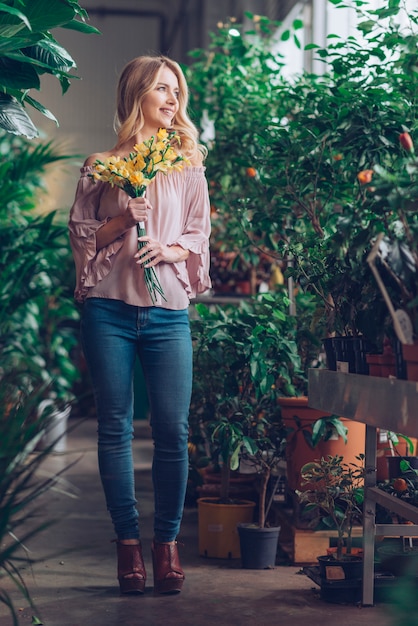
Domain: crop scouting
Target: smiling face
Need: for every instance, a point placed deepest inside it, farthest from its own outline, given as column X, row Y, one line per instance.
column 160, row 105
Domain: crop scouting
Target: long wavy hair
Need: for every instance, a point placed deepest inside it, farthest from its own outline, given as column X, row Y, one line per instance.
column 138, row 78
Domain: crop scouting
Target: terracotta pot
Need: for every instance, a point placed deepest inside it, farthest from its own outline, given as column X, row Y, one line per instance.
column 298, row 451
column 381, row 365
column 394, row 470
column 410, row 355
column 354, row 551
column 385, row 451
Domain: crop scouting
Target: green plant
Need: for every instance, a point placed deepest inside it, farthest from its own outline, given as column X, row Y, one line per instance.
column 33, row 260
column 244, row 357
column 393, row 190
column 234, row 85
column 28, row 50
column 263, row 446
column 38, row 318
column 404, row 486
column 303, row 202
column 336, row 495
column 21, row 484
column 321, row 430
column 394, row 440
column 38, row 331
column 348, row 121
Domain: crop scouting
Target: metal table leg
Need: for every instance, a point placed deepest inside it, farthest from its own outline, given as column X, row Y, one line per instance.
column 369, row 520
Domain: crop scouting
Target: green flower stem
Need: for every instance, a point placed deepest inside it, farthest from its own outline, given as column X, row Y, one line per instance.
column 151, row 279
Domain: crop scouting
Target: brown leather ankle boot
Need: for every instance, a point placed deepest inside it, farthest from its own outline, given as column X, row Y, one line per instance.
column 168, row 574
column 131, row 568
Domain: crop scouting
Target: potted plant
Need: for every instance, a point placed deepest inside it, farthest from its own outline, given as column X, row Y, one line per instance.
column 394, row 446
column 263, row 448
column 334, row 495
column 55, row 351
column 311, row 434
column 244, row 356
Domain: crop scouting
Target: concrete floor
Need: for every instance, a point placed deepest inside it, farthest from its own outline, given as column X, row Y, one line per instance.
column 73, row 578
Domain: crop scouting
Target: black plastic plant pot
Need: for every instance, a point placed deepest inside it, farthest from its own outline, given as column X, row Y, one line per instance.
column 258, row 546
column 348, row 568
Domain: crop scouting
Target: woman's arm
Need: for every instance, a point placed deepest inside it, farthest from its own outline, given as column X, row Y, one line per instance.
column 136, row 211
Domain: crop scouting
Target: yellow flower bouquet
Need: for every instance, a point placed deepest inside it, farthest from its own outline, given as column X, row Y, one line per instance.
column 134, row 173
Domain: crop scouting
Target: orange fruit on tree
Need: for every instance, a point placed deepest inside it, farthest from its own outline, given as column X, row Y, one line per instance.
column 400, row 485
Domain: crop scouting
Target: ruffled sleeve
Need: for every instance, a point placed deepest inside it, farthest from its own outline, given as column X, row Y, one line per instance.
column 91, row 265
column 195, row 235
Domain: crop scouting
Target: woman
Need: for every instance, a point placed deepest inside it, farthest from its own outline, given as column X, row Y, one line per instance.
column 120, row 321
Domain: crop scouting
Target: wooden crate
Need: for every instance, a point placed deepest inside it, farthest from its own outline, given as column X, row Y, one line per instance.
column 301, row 545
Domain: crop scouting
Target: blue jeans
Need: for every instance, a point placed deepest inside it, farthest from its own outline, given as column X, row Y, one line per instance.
column 113, row 333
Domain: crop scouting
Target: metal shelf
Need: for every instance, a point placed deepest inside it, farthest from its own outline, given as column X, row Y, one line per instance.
column 382, row 402
column 385, row 403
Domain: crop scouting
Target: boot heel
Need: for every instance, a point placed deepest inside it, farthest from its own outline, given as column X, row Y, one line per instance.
column 131, row 568
column 168, row 574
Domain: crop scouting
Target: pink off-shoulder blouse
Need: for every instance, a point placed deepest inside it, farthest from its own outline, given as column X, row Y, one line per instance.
column 180, row 215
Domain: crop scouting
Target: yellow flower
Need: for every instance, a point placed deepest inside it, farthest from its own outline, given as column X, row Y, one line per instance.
column 134, row 173
column 162, row 134
column 137, row 178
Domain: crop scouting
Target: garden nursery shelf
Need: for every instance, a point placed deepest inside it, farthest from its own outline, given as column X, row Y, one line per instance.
column 385, row 403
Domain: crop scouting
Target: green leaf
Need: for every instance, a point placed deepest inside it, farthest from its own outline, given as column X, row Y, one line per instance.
column 51, row 56
column 235, row 457
column 17, row 75
column 39, row 107
column 4, row 8
column 17, row 42
column 44, row 15
column 14, row 119
column 82, row 27
column 250, row 445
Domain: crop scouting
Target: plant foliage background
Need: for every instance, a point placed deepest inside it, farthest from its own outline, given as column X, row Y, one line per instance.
column 285, row 152
column 38, row 319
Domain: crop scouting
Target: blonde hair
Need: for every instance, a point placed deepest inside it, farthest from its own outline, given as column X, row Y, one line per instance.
column 138, row 78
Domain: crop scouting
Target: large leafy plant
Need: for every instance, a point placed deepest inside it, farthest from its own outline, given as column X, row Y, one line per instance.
column 28, row 50
column 234, row 92
column 38, row 331
column 37, row 320
column 244, row 358
column 291, row 186
column 335, row 125
column 37, row 313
